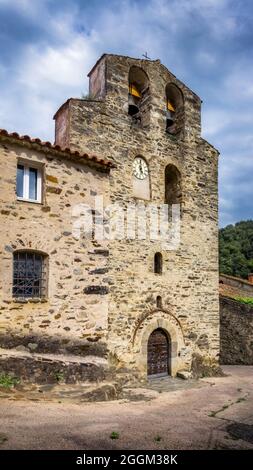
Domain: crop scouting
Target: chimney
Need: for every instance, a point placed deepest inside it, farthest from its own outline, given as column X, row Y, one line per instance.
column 250, row 278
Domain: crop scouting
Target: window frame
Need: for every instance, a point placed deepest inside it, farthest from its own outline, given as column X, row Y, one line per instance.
column 43, row 279
column 26, row 178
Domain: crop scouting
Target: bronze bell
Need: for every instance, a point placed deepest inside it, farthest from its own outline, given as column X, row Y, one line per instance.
column 132, row 106
column 169, row 119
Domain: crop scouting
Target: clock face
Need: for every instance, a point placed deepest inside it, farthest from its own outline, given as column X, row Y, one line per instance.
column 140, row 168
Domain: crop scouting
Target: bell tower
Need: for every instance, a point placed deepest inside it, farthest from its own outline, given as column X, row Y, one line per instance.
column 136, row 93
column 142, row 117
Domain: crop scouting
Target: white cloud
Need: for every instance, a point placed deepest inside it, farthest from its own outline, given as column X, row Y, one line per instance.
column 188, row 36
column 205, row 58
column 226, row 204
column 45, row 76
column 29, row 8
column 239, row 82
column 214, row 121
column 62, row 66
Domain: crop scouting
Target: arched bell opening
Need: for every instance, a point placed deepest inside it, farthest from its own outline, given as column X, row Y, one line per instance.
column 138, row 95
column 173, row 188
column 174, row 108
column 173, row 185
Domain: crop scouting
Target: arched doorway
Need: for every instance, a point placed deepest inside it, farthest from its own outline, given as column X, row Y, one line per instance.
column 158, row 353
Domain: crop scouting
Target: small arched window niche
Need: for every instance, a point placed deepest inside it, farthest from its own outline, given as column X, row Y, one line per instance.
column 158, row 263
column 159, row 302
column 174, row 109
column 30, row 274
column 138, row 95
column 141, row 178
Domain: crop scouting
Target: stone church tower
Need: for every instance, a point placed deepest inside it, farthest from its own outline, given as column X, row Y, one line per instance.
column 140, row 115
column 130, row 303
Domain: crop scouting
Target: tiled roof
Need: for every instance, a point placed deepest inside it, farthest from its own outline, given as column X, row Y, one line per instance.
column 67, row 152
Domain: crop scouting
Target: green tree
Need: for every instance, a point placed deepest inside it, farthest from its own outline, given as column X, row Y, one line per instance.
column 236, row 249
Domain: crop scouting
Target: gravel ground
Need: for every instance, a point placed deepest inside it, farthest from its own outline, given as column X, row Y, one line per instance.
column 217, row 413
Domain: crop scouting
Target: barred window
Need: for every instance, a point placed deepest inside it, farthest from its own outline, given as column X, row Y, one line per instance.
column 29, row 274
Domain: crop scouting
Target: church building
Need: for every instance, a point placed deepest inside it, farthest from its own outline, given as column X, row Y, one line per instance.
column 83, row 270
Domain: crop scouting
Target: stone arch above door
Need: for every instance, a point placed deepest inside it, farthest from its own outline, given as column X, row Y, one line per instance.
column 169, row 324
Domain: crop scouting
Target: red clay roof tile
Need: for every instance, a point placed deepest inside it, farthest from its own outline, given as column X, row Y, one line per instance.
column 56, row 148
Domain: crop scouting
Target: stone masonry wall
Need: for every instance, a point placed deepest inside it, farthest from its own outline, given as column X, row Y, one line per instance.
column 189, row 283
column 72, row 317
column 236, row 332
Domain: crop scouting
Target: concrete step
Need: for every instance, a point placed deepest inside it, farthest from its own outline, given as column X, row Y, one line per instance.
column 52, row 368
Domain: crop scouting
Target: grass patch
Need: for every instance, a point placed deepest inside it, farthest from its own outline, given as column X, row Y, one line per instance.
column 114, row 435
column 59, row 376
column 157, row 438
column 8, row 381
column 244, row 300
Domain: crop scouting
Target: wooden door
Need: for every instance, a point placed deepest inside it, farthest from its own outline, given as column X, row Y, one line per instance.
column 158, row 353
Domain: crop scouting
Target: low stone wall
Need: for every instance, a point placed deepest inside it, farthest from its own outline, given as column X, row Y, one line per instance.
column 236, row 332
column 242, row 284
column 51, row 344
column 48, row 371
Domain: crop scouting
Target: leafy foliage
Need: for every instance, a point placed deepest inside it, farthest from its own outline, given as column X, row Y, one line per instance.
column 8, row 381
column 245, row 300
column 59, row 376
column 87, row 97
column 114, row 435
column 236, row 249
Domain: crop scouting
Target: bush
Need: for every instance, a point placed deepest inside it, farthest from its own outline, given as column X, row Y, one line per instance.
column 8, row 381
column 114, row 435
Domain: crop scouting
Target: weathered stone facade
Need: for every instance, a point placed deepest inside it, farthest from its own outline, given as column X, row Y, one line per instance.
column 67, row 317
column 236, row 332
column 102, row 295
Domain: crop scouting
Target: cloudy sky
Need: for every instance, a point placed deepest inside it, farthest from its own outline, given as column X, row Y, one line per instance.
column 47, row 48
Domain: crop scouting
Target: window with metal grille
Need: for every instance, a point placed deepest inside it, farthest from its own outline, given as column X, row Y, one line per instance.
column 29, row 274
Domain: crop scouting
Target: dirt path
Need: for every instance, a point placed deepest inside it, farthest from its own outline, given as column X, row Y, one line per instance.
column 188, row 418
